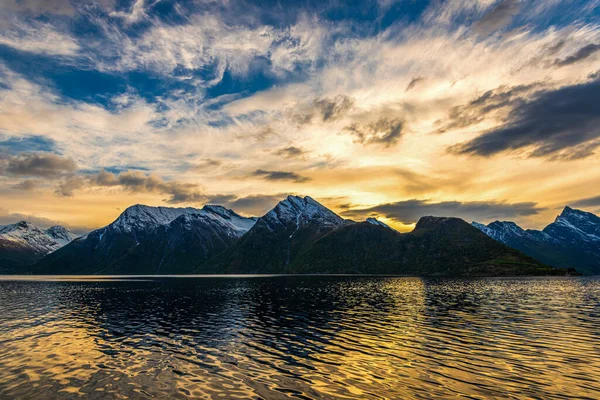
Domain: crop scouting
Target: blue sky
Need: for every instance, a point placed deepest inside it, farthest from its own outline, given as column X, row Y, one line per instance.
column 359, row 104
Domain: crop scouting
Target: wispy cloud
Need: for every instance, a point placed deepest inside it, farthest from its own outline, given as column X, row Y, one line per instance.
column 40, row 38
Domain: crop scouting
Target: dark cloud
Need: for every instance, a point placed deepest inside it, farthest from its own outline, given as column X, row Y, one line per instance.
column 500, row 16
column 327, row 109
column 562, row 123
column 221, row 199
column 207, row 164
column 69, row 185
column 503, row 97
column 384, row 131
column 43, row 165
column 590, row 202
column 409, row 211
column 27, row 185
column 580, row 55
column 333, row 109
column 411, row 85
column 290, row 152
column 280, row 176
column 136, row 182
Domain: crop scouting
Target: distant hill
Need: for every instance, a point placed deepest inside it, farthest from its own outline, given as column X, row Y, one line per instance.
column 571, row 241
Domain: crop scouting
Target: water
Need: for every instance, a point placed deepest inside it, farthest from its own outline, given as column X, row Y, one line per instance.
column 300, row 337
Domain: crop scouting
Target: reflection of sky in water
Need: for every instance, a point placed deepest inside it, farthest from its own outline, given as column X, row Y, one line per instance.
column 285, row 337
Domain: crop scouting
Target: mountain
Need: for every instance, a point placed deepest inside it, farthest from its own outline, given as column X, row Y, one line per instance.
column 23, row 243
column 571, row 241
column 150, row 240
column 277, row 237
column 301, row 236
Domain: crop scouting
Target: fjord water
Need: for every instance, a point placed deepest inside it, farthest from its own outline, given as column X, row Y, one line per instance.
column 300, row 337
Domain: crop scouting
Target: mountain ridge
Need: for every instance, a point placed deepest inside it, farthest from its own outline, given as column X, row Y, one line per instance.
column 141, row 239
column 571, row 241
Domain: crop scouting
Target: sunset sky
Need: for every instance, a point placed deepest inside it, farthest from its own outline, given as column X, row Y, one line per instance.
column 479, row 109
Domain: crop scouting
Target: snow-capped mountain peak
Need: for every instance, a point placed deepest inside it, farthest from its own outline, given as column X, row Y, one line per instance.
column 574, row 234
column 580, row 221
column 141, row 217
column 28, row 237
column 301, row 210
column 60, row 234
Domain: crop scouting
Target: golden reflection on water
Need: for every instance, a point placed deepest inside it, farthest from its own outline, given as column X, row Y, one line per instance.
column 304, row 337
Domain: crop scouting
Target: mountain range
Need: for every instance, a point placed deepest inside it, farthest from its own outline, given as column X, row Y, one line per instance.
column 22, row 244
column 299, row 235
column 150, row 240
column 571, row 241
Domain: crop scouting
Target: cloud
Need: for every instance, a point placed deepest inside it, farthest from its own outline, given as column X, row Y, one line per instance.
column 257, row 204
column 36, row 8
column 40, row 7
column 332, row 109
column 137, row 181
column 280, row 176
column 500, row 16
column 475, row 111
column 134, row 182
column 413, row 82
column 581, row 54
column 39, row 38
column 27, row 185
column 69, row 185
column 590, row 202
column 43, row 165
column 134, row 15
column 207, row 164
column 409, row 211
column 384, row 131
column 290, row 152
column 555, row 123
column 323, row 109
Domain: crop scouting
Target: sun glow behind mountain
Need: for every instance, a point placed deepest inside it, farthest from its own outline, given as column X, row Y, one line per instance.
column 483, row 109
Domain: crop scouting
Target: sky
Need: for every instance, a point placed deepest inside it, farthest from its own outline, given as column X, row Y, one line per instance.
column 479, row 109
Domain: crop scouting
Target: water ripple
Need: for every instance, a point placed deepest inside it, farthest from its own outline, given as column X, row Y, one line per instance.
column 300, row 337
